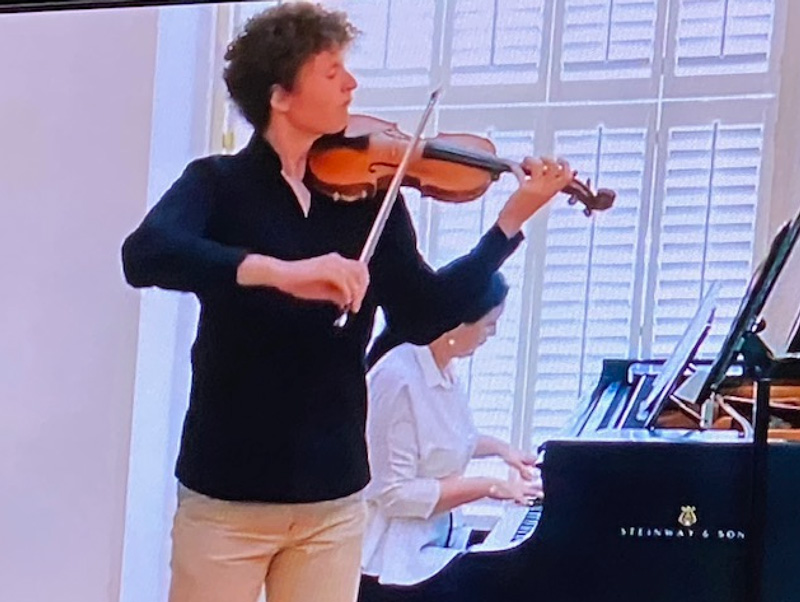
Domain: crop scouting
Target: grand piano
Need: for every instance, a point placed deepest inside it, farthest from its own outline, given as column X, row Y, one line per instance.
column 656, row 495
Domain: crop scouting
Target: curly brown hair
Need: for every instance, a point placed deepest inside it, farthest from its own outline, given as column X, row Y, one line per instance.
column 273, row 47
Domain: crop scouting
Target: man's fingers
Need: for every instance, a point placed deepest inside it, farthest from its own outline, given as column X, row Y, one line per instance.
column 341, row 283
column 356, row 280
column 535, row 167
column 339, row 280
column 518, row 172
column 564, row 171
column 360, row 281
column 550, row 167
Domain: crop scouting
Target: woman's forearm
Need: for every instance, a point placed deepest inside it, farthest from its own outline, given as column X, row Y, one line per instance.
column 455, row 491
column 490, row 446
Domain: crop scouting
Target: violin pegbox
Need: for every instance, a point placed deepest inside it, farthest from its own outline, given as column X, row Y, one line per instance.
column 587, row 211
column 573, row 199
column 592, row 201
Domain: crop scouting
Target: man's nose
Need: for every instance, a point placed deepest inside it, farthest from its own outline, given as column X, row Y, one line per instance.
column 350, row 82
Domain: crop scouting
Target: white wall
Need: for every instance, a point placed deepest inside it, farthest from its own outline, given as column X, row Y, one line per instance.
column 76, row 98
column 183, row 86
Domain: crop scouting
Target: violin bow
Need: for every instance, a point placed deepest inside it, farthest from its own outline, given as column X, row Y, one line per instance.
column 391, row 193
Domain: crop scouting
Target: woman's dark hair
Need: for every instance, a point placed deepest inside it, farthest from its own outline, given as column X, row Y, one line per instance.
column 493, row 296
column 273, row 47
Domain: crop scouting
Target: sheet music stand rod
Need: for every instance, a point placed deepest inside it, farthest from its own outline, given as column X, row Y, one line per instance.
column 758, row 357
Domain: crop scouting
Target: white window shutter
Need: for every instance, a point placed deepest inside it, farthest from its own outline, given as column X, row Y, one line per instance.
column 395, row 48
column 496, row 42
column 490, row 375
column 707, row 226
column 608, row 39
column 724, row 37
column 370, row 48
column 589, row 275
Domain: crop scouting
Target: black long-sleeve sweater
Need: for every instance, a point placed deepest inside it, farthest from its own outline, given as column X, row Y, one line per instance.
column 278, row 397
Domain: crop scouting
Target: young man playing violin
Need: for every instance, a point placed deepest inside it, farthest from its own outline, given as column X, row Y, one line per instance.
column 273, row 457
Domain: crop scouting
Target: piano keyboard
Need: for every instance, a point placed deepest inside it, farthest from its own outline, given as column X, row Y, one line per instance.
column 528, row 523
column 515, row 525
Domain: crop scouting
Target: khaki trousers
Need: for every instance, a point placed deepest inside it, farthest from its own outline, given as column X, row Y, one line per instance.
column 227, row 551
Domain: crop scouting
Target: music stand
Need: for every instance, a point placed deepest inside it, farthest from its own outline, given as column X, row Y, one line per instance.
column 674, row 367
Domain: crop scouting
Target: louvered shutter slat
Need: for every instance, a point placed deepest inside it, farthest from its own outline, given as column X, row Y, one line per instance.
column 608, row 38
column 496, row 47
column 723, row 37
column 395, row 48
column 707, row 227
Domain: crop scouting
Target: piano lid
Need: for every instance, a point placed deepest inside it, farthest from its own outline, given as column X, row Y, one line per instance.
column 745, row 321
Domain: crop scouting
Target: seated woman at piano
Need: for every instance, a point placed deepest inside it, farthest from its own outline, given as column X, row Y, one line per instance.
column 421, row 437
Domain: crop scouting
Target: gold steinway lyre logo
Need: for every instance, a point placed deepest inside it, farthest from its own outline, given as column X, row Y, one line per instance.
column 688, row 516
column 687, row 531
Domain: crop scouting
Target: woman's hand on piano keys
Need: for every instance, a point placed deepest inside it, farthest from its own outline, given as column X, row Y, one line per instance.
column 520, row 491
column 523, row 462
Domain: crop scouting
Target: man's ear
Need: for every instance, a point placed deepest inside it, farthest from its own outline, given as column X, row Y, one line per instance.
column 279, row 99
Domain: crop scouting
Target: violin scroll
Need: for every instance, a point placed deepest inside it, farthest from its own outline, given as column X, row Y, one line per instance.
column 592, row 201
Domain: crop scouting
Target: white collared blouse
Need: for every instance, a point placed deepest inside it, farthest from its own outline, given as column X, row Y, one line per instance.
column 419, row 430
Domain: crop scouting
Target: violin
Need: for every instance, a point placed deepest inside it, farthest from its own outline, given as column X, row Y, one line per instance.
column 361, row 161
